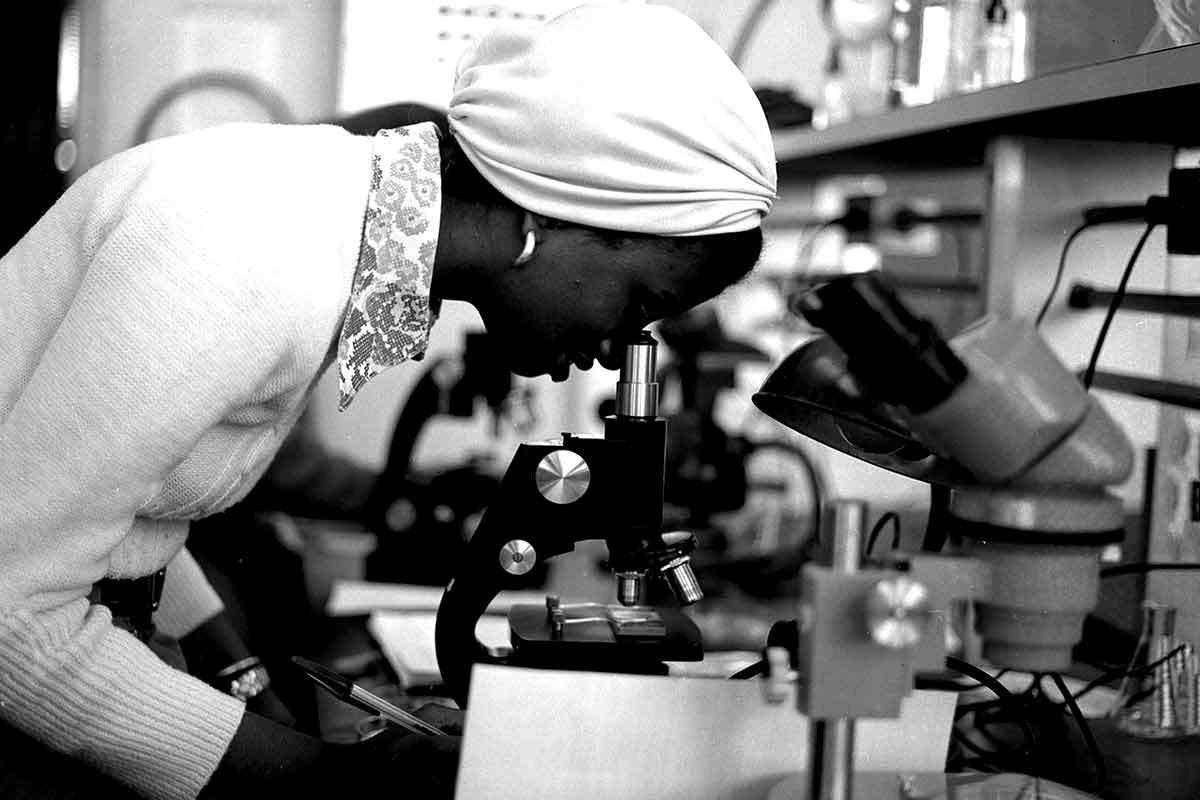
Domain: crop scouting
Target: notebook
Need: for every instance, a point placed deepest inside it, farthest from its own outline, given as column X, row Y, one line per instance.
column 407, row 641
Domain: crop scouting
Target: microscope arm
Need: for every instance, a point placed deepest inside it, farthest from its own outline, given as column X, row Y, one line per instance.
column 553, row 495
column 560, row 492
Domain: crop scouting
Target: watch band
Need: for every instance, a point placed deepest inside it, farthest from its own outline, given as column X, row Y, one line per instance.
column 244, row 679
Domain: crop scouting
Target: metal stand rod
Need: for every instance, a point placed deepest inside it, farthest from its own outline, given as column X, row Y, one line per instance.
column 831, row 741
column 831, row 752
column 1084, row 295
column 1184, row 395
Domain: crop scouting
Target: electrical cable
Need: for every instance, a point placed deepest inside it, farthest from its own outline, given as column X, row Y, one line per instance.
column 1001, row 691
column 936, row 527
column 1062, row 266
column 752, row 671
column 249, row 86
column 1116, row 302
column 1085, row 729
column 746, row 31
column 890, row 516
column 1112, row 675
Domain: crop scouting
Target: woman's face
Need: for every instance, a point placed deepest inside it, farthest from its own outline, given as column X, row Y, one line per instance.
column 580, row 298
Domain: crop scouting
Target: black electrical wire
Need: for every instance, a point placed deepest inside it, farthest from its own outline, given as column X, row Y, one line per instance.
column 746, row 31
column 1143, row 567
column 1112, row 675
column 890, row 516
column 1001, row 691
column 1118, row 296
column 1085, row 729
column 1062, row 266
column 752, row 671
column 937, row 525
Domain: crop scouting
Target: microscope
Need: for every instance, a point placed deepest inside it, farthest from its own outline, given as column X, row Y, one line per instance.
column 560, row 492
column 1027, row 455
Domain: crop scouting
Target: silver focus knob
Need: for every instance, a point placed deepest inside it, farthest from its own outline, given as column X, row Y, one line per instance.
column 563, row 476
column 898, row 611
column 517, row 557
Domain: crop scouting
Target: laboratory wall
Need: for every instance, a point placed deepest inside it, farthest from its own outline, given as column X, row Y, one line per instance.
column 151, row 69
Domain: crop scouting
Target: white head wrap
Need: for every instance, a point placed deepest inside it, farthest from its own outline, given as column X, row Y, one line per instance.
column 622, row 116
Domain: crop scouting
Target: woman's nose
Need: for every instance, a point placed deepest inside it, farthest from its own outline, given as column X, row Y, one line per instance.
column 610, row 354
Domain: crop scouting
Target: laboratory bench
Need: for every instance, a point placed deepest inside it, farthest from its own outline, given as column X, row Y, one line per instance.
column 1136, row 769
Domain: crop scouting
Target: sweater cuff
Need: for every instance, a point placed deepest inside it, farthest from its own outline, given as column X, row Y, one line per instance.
column 118, row 708
column 188, row 599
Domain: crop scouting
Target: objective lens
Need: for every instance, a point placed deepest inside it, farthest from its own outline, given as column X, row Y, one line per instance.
column 629, row 588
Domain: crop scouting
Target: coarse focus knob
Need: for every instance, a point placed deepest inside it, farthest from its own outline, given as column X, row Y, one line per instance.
column 517, row 557
column 898, row 612
column 563, row 476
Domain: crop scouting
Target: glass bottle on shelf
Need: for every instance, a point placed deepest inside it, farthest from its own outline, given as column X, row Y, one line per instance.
column 835, row 97
column 934, row 51
column 994, row 52
column 962, row 57
column 904, row 89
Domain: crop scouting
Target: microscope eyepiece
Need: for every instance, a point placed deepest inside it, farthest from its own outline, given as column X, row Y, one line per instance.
column 637, row 389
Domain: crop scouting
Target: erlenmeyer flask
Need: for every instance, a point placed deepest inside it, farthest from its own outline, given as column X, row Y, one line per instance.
column 1159, row 696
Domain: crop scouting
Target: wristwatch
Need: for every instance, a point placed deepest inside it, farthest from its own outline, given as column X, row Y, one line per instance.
column 244, row 679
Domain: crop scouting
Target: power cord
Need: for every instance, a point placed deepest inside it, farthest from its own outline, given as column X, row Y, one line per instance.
column 999, row 689
column 1005, row 703
column 890, row 516
column 1062, row 265
column 1085, row 729
column 1157, row 210
column 1112, row 675
column 1118, row 296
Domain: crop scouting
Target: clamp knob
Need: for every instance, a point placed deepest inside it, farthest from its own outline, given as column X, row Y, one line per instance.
column 898, row 610
column 517, row 557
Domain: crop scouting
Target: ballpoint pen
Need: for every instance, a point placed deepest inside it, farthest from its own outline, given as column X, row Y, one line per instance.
column 345, row 689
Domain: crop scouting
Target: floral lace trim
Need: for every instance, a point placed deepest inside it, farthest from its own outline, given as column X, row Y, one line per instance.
column 389, row 316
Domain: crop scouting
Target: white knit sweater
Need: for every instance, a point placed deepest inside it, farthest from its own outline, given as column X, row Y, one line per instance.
column 160, row 330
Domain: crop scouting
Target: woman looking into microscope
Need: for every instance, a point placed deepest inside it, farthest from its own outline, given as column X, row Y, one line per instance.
column 164, row 323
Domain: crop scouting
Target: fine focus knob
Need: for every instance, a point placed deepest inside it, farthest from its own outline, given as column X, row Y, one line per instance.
column 563, row 476
column 517, row 557
column 898, row 610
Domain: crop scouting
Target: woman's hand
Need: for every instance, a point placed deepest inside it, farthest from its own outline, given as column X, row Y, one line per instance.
column 449, row 719
column 266, row 757
column 417, row 765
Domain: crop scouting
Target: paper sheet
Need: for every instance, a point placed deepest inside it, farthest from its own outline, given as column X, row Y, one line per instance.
column 407, row 641
column 350, row 597
column 592, row 736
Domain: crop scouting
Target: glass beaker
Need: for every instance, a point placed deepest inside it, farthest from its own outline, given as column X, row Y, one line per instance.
column 1159, row 697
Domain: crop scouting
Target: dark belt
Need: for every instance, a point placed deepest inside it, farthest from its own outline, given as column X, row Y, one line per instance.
column 132, row 601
